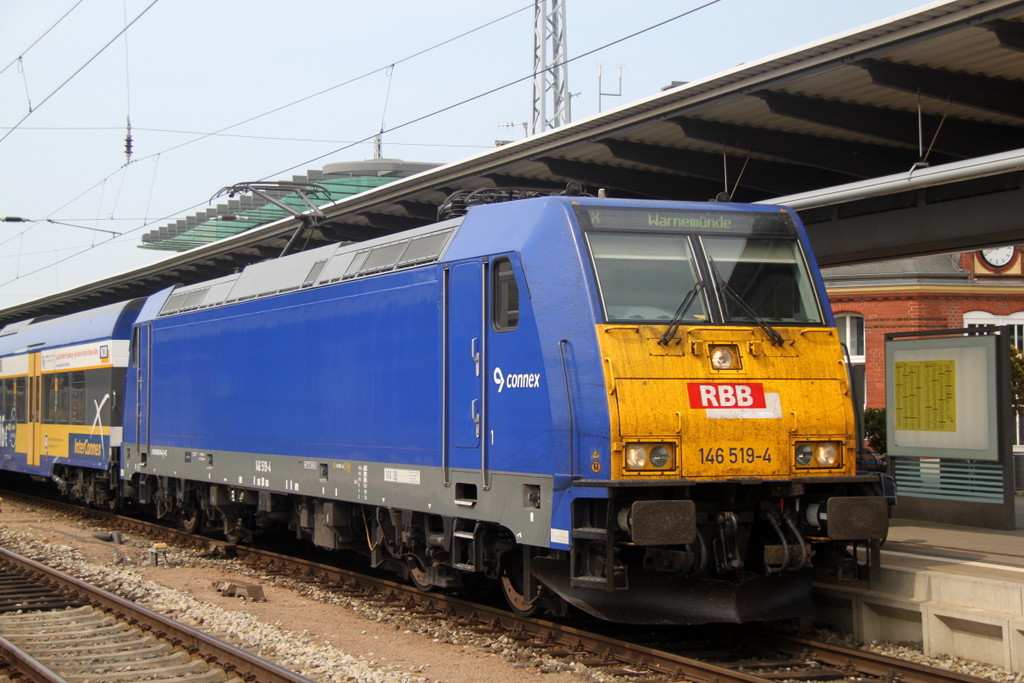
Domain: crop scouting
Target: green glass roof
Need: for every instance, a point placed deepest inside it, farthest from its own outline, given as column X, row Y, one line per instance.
column 247, row 212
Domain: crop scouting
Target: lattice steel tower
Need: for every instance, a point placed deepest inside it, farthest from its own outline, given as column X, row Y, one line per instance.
column 551, row 99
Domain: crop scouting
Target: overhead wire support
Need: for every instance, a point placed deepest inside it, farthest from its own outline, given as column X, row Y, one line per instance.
column 127, row 94
column 551, row 100
column 19, row 219
column 378, row 140
column 600, row 87
column 24, row 79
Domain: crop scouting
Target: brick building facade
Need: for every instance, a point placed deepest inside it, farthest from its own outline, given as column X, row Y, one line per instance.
column 932, row 292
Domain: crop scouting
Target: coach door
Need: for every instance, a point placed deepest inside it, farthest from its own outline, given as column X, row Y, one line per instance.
column 34, row 388
column 466, row 363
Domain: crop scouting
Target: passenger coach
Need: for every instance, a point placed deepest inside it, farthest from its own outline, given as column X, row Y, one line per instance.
column 62, row 396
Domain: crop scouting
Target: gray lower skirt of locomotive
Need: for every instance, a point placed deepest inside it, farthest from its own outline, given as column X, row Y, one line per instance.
column 521, row 502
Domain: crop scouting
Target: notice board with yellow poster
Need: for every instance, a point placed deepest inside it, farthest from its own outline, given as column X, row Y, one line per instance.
column 943, row 396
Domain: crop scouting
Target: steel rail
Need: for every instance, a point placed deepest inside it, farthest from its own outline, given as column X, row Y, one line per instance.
column 556, row 639
column 244, row 664
column 865, row 662
column 27, row 666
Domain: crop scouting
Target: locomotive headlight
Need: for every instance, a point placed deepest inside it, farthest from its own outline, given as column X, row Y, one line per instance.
column 636, row 456
column 826, row 454
column 649, row 456
column 724, row 357
column 817, row 454
column 660, row 456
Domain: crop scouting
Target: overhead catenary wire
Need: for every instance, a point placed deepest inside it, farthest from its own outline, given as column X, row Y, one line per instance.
column 267, row 113
column 203, row 136
column 76, row 72
column 368, row 138
column 491, row 91
column 36, row 41
column 355, row 79
column 275, row 138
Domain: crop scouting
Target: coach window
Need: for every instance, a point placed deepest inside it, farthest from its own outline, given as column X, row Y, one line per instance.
column 78, row 401
column 56, row 395
column 49, row 398
column 13, row 398
column 20, row 403
column 505, row 306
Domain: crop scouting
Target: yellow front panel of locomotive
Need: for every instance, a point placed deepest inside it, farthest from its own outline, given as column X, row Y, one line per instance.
column 742, row 421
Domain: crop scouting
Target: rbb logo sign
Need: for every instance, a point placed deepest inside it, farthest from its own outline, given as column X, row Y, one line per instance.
column 726, row 395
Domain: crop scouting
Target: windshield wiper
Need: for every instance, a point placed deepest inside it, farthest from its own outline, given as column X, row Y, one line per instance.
column 677, row 319
column 773, row 335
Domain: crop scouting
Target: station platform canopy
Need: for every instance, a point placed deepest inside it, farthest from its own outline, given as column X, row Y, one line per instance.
column 904, row 137
column 333, row 183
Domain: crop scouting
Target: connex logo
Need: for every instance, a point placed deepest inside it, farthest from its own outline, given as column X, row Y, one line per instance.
column 530, row 380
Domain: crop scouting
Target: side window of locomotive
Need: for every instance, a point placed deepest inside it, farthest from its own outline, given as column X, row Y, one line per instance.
column 766, row 277
column 645, row 276
column 135, row 348
column 505, row 293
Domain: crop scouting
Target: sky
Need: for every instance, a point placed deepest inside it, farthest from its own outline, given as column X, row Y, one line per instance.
column 224, row 91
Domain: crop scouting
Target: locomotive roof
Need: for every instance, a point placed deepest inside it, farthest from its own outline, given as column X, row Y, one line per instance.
column 420, row 246
column 108, row 322
column 315, row 268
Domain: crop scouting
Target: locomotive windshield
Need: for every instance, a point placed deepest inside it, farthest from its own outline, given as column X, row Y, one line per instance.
column 762, row 278
column 644, row 277
column 747, row 267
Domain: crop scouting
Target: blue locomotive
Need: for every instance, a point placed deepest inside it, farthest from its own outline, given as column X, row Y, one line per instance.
column 638, row 408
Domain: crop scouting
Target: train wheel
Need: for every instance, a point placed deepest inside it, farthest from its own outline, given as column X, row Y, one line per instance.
column 512, row 587
column 419, row 578
column 191, row 520
column 236, row 532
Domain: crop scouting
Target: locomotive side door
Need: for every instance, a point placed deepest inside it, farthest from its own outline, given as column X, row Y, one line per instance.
column 140, row 362
column 465, row 362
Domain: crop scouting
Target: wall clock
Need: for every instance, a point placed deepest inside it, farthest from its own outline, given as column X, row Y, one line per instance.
column 998, row 256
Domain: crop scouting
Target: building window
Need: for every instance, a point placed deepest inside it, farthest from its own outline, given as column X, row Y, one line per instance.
column 983, row 319
column 1015, row 321
column 851, row 333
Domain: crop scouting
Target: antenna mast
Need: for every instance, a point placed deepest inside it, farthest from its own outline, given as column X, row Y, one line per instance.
column 551, row 99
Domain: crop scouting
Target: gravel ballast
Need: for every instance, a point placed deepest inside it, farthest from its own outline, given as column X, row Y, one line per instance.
column 324, row 635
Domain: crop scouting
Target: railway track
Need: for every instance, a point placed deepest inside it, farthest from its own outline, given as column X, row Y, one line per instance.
column 54, row 627
column 741, row 655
